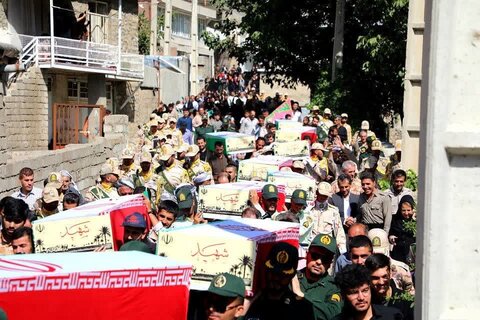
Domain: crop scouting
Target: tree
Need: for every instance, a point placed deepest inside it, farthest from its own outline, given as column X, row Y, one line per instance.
column 143, row 34
column 293, row 41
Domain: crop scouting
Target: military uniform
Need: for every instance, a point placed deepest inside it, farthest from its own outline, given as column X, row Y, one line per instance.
column 282, row 260
column 323, row 294
column 127, row 171
column 198, row 166
column 170, row 178
column 101, row 191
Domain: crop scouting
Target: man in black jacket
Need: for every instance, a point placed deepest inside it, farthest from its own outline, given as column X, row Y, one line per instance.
column 345, row 201
column 354, row 282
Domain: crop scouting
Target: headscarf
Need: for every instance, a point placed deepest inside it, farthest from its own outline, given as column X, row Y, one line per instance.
column 405, row 199
column 65, row 173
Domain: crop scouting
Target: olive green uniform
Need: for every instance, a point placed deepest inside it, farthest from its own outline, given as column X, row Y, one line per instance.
column 323, row 294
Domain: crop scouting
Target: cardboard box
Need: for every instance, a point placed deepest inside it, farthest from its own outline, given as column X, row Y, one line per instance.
column 282, row 124
column 292, row 149
column 258, row 167
column 233, row 142
column 293, row 181
column 224, row 201
column 77, row 229
column 94, row 285
column 296, row 134
column 227, row 246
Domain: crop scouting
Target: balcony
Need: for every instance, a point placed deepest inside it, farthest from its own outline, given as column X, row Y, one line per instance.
column 85, row 56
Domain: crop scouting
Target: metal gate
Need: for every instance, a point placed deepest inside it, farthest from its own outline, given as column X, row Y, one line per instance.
column 76, row 123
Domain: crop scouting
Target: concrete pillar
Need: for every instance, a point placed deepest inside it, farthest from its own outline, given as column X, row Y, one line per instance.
column 167, row 34
column 60, row 88
column 413, row 84
column 448, row 250
column 153, row 28
column 96, row 89
column 194, row 52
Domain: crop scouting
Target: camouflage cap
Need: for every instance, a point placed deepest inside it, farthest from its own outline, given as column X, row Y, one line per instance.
column 324, row 188
column 227, row 285
column 166, row 151
column 184, row 197
column 283, row 257
column 299, row 196
column 50, row 193
column 270, row 191
column 55, row 179
column 324, row 241
column 376, row 145
column 192, row 150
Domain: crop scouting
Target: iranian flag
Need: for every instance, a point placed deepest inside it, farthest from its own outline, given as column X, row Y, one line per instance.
column 280, row 113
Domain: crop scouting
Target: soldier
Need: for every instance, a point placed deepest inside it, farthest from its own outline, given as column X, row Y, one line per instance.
column 315, row 111
column 225, row 298
column 204, row 128
column 375, row 206
column 317, row 165
column 152, row 126
column 277, row 300
column 360, row 146
column 325, row 219
column 48, row 203
column 327, row 113
column 105, row 189
column 347, row 127
column 268, row 204
column 195, row 165
column 145, row 176
column 298, row 202
column 395, row 159
column 314, row 282
column 172, row 175
column 128, row 167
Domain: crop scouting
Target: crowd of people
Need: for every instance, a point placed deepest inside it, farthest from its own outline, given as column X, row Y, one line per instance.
column 355, row 247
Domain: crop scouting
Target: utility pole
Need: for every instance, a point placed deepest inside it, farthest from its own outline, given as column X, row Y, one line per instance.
column 153, row 27
column 337, row 57
column 194, row 50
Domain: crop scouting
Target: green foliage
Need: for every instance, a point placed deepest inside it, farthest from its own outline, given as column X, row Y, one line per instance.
column 143, row 34
column 410, row 226
column 403, row 296
column 412, row 180
column 384, row 184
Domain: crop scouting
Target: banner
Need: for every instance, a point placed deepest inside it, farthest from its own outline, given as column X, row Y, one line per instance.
column 280, row 112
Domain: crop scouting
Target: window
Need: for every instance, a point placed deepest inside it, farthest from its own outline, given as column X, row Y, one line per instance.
column 77, row 89
column 181, row 25
column 202, row 26
column 98, row 17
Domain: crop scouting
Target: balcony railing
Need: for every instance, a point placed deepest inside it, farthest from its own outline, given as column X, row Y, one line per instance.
column 81, row 56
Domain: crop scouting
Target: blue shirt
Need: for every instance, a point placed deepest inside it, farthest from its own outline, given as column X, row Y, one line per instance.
column 188, row 137
column 185, row 121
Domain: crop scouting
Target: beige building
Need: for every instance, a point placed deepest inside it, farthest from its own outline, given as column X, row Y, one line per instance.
column 179, row 34
column 413, row 85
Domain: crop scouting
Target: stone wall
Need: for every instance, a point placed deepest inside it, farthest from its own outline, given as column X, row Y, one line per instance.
column 83, row 161
column 3, row 137
column 26, row 112
column 129, row 23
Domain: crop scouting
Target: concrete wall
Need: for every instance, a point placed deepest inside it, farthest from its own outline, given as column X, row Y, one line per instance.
column 448, row 251
column 83, row 161
column 26, row 112
column 174, row 85
column 413, row 84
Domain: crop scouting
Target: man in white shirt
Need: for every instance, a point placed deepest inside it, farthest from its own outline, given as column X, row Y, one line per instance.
column 398, row 189
column 28, row 193
column 249, row 124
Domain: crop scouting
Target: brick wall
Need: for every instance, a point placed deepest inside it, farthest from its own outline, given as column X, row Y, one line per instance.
column 83, row 161
column 26, row 112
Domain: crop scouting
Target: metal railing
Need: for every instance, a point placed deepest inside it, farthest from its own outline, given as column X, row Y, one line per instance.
column 76, row 54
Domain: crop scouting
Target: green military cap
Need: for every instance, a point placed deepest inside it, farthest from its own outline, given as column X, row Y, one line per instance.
column 283, row 257
column 299, row 196
column 135, row 245
column 270, row 191
column 324, row 241
column 184, row 197
column 227, row 285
